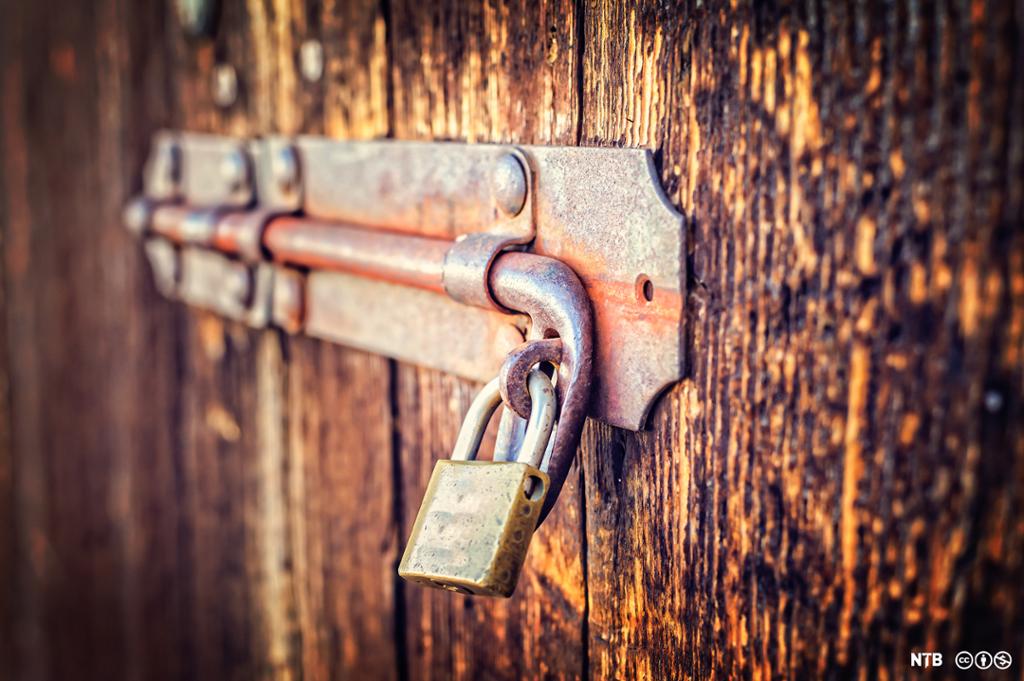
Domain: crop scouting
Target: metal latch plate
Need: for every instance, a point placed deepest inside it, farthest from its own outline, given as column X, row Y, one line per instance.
column 601, row 211
column 409, row 324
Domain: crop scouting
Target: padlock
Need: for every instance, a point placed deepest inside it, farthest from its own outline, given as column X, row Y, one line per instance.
column 477, row 518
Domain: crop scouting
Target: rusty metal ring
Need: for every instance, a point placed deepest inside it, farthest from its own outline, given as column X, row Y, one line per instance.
column 515, row 371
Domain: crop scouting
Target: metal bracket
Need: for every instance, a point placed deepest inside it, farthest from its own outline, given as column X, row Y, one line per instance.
column 387, row 246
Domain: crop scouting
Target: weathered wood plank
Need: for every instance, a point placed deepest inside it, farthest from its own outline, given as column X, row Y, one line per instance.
column 641, row 548
column 239, row 608
column 219, row 466
column 82, row 390
column 835, row 484
column 343, row 519
column 485, row 73
column 292, row 552
column 8, row 516
column 24, row 610
column 343, row 516
column 140, row 369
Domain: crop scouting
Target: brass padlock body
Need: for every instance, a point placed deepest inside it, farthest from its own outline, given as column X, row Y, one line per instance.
column 474, row 526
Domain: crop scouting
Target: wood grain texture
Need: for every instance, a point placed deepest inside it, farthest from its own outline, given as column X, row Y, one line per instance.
column 83, row 390
column 8, row 517
column 310, row 576
column 343, row 517
column 484, row 72
column 220, row 451
column 836, row 483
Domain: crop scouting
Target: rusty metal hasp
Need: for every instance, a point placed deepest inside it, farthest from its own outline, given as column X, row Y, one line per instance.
column 486, row 261
column 383, row 245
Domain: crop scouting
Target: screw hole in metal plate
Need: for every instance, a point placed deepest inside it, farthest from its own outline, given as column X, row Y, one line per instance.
column 644, row 289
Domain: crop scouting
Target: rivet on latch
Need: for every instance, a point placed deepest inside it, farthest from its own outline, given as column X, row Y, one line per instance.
column 233, row 170
column 311, row 60
column 508, row 183
column 225, row 85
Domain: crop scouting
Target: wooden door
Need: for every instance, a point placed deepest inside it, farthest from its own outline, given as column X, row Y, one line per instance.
column 837, row 483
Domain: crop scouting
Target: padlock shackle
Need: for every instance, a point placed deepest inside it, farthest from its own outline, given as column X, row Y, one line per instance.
column 475, row 423
column 543, row 412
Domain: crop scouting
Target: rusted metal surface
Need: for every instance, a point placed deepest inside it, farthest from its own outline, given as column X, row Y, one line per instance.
column 215, row 171
column 517, row 367
column 224, row 85
column 466, row 265
column 184, row 224
column 202, row 170
column 278, row 173
column 197, row 18
column 409, row 324
column 402, row 259
column 230, row 288
column 423, row 257
column 601, row 211
column 470, row 258
column 544, row 288
column 137, row 215
column 241, row 233
column 255, row 294
column 206, row 236
column 439, row 190
column 311, row 60
column 161, row 176
column 288, row 304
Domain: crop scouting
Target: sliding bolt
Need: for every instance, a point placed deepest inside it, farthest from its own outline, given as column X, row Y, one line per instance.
column 508, row 185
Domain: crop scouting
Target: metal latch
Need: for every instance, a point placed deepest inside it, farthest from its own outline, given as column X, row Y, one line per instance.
column 479, row 260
